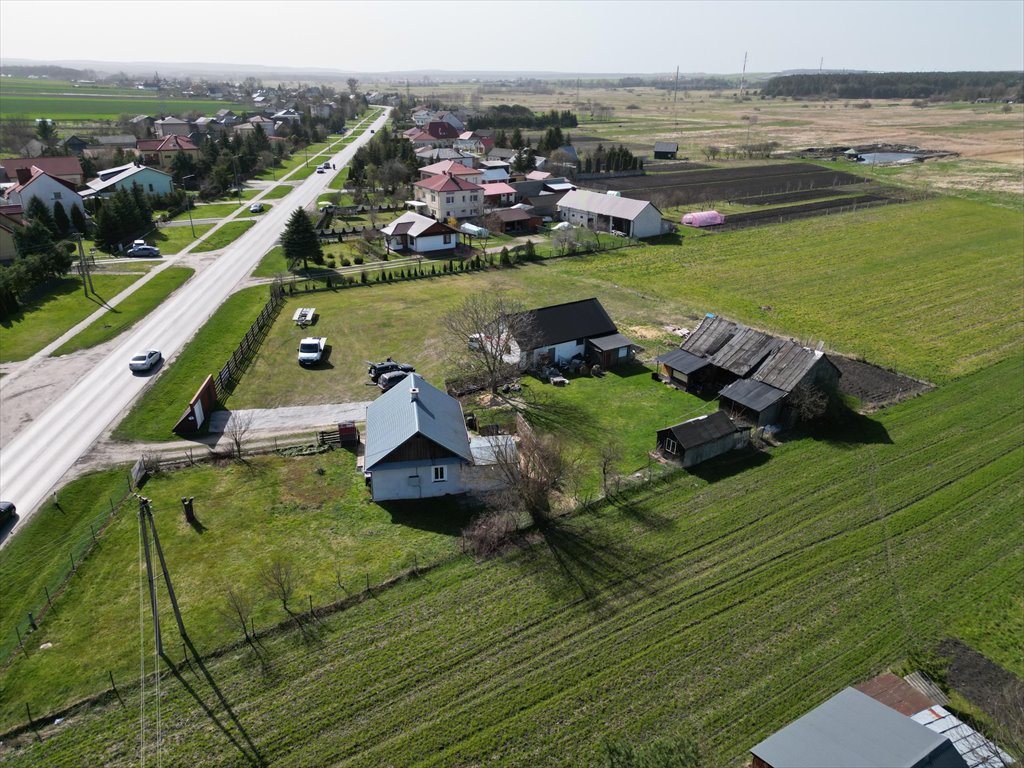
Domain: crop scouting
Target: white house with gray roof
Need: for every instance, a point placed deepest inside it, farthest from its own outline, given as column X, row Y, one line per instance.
column 150, row 180
column 611, row 213
column 417, row 446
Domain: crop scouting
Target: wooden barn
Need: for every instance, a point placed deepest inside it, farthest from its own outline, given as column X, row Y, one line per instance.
column 752, row 402
column 665, row 150
column 684, row 369
column 700, row 439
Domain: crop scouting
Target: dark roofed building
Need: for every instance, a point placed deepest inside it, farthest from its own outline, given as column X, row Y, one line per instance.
column 515, row 220
column 665, row 150
column 710, row 336
column 684, row 369
column 744, row 352
column 66, row 168
column 700, row 439
column 852, row 730
column 564, row 331
column 793, row 364
column 752, row 402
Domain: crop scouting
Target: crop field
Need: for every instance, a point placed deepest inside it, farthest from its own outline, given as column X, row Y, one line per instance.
column 719, row 604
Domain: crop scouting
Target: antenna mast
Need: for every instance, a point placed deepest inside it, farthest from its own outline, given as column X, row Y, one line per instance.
column 743, row 77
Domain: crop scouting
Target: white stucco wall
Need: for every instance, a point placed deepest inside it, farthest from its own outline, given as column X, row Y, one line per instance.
column 416, row 482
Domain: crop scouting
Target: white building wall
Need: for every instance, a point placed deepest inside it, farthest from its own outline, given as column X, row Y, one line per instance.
column 429, row 243
column 50, row 191
column 647, row 224
column 562, row 352
column 415, row 482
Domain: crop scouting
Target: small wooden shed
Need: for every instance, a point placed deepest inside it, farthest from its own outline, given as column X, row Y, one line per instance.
column 701, row 439
column 665, row 150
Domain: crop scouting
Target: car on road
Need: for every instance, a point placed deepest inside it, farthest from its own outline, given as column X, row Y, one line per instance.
column 311, row 350
column 145, row 361
column 376, row 370
column 144, row 249
column 320, row 170
column 326, row 166
column 388, row 380
column 7, row 510
column 256, row 208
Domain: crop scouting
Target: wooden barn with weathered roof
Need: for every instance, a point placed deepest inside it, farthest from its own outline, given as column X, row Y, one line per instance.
column 700, row 439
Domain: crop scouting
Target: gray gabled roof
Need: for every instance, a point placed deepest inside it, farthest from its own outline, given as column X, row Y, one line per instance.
column 852, row 730
column 752, row 394
column 604, row 205
column 396, row 416
column 745, row 351
column 703, row 430
column 710, row 336
column 666, row 146
column 610, row 341
column 682, row 361
column 788, row 365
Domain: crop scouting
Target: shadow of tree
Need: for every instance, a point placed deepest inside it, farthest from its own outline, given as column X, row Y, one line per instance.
column 447, row 515
column 849, row 429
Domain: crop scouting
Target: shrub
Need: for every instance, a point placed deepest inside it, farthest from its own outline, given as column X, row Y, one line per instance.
column 358, row 260
column 345, row 262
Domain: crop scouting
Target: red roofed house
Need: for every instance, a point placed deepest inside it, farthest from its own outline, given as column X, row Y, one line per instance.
column 447, row 196
column 498, row 194
column 10, row 222
column 66, row 168
column 161, row 152
column 452, row 168
column 433, row 134
column 50, row 189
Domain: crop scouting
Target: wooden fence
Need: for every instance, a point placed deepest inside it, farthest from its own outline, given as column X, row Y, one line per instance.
column 246, row 349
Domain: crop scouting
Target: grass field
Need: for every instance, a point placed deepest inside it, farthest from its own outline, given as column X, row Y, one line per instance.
column 170, row 240
column 720, row 604
column 210, row 211
column 154, row 416
column 272, row 264
column 55, row 311
column 224, row 236
column 129, row 311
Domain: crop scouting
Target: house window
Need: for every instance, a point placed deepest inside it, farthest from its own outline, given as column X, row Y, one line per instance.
column 56, row 195
column 450, row 199
column 440, row 474
column 671, row 446
column 447, row 239
column 150, row 187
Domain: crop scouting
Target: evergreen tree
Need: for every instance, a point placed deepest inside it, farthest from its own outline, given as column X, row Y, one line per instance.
column 300, row 241
column 517, row 138
column 500, row 139
column 78, row 220
column 36, row 210
column 60, row 219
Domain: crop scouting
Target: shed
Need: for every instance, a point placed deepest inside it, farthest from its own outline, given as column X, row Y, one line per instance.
column 710, row 336
column 515, row 220
column 564, row 331
column 684, row 369
column 700, row 439
column 611, row 350
column 753, row 402
column 703, row 219
column 852, row 730
column 742, row 354
column 665, row 150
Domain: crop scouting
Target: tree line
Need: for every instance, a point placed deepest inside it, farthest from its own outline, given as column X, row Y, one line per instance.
column 518, row 116
column 944, row 86
column 43, row 252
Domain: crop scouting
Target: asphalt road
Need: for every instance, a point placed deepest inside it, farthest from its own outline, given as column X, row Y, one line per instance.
column 33, row 463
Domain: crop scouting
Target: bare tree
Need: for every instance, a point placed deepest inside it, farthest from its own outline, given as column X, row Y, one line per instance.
column 533, row 468
column 237, row 430
column 237, row 609
column 809, row 401
column 279, row 580
column 611, row 451
column 497, row 333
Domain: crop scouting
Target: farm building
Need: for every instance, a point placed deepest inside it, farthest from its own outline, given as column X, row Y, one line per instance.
column 420, row 234
column 515, row 221
column 792, row 364
column 417, row 446
column 700, row 439
column 609, row 213
column 684, row 369
column 703, row 219
column 665, row 150
column 150, row 180
column 752, row 402
column 852, row 729
column 172, row 126
column 577, row 329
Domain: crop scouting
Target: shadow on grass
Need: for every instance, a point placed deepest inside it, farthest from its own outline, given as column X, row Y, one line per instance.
column 628, row 371
column 849, row 429
column 729, row 464
column 40, row 297
column 446, row 515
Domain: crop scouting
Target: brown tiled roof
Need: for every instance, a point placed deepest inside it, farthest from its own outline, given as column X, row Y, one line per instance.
column 896, row 693
column 173, row 143
column 55, row 166
column 445, row 182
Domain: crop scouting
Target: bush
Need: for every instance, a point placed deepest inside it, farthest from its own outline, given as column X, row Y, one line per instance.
column 346, row 263
column 358, row 260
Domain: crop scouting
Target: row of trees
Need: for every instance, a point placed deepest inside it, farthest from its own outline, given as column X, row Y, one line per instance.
column 123, row 216
column 518, row 116
column 41, row 258
column 953, row 86
column 614, row 159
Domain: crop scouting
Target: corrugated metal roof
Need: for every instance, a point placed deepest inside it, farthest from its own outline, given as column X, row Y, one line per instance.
column 682, row 361
column 752, row 394
column 611, row 341
column 975, row 749
column 604, row 205
column 704, row 429
column 787, row 366
column 395, row 417
column 666, row 146
column 852, row 730
column 709, row 337
column 486, row 450
column 744, row 351
column 581, row 319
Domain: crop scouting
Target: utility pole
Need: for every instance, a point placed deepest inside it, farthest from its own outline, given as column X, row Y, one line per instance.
column 83, row 266
column 675, row 95
column 167, row 575
column 143, row 513
column 743, row 77
column 820, row 65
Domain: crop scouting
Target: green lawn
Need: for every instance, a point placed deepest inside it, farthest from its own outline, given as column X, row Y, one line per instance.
column 339, row 181
column 272, row 264
column 54, row 311
column 759, row 584
column 321, row 522
column 170, row 240
column 279, row 191
column 154, row 416
column 129, row 311
column 224, row 236
column 209, row 211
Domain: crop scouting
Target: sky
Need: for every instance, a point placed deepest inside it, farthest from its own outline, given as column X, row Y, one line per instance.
column 571, row 36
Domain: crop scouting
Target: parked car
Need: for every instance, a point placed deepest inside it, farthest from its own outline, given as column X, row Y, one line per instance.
column 144, row 361
column 390, row 379
column 7, row 511
column 376, row 370
column 320, row 170
column 256, row 208
column 311, row 350
column 326, row 166
column 143, row 249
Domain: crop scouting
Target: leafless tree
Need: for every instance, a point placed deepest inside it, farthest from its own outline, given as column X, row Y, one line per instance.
column 491, row 328
column 810, row 402
column 237, row 609
column 279, row 580
column 611, row 452
column 489, row 533
column 237, row 430
column 533, row 469
column 393, row 173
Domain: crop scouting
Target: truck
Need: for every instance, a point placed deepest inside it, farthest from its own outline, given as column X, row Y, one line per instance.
column 311, row 350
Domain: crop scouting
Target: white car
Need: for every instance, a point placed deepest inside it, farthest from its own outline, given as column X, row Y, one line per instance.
column 311, row 350
column 256, row 208
column 144, row 361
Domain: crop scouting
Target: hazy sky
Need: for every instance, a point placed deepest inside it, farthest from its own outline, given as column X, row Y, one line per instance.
column 555, row 35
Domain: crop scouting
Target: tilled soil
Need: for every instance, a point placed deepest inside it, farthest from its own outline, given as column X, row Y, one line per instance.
column 997, row 692
column 875, row 387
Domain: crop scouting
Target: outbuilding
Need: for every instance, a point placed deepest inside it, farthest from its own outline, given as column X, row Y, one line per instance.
column 700, row 439
column 752, row 402
column 610, row 213
column 665, row 150
column 420, row 234
column 703, row 219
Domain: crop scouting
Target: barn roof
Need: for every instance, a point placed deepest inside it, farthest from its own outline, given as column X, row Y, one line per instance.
column 582, row 319
column 788, row 365
column 852, row 730
column 510, row 215
column 752, row 394
column 682, row 361
column 709, row 336
column 744, row 351
column 666, row 146
column 604, row 205
column 610, row 341
column 703, row 430
column 396, row 416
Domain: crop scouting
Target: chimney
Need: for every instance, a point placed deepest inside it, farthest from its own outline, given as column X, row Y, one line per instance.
column 414, row 394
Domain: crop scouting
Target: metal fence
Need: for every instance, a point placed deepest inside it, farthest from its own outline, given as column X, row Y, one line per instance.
column 246, row 349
